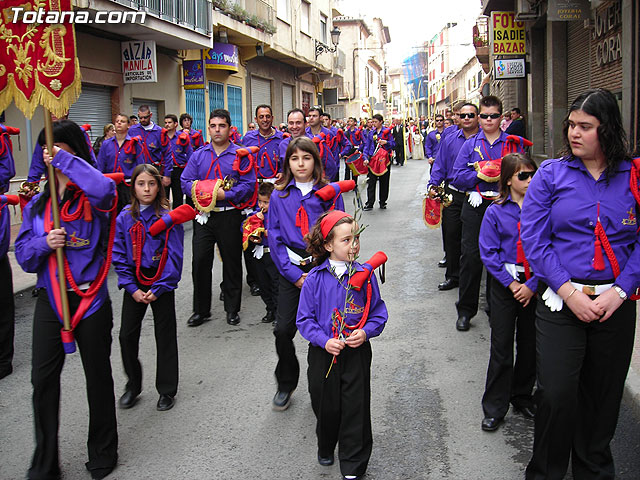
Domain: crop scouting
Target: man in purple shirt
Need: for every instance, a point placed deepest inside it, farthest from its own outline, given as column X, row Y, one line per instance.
column 223, row 225
column 267, row 139
column 442, row 173
column 161, row 156
column 182, row 151
column 434, row 140
column 373, row 142
column 487, row 145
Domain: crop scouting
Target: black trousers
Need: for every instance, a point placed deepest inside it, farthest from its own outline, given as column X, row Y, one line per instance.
column 470, row 261
column 399, row 150
column 251, row 263
column 452, row 233
column 124, row 195
column 342, row 405
column 7, row 316
column 223, row 228
column 164, row 323
column 506, row 383
column 175, row 187
column 384, row 187
column 288, row 368
column 581, row 368
column 268, row 280
column 93, row 336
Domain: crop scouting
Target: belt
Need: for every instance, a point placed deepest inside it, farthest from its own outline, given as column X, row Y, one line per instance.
column 485, row 194
column 514, row 269
column 454, row 188
column 222, row 209
column 297, row 259
column 266, row 250
column 592, row 289
column 83, row 286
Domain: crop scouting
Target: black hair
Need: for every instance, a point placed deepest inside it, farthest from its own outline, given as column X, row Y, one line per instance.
column 325, row 114
column 221, row 113
column 144, row 108
column 264, row 105
column 266, row 189
column 468, row 104
column 295, row 110
column 511, row 164
column 318, row 109
column 439, row 115
column 133, row 117
column 316, row 242
column 516, row 109
column 603, row 105
column 172, row 117
column 185, row 116
column 378, row 117
column 491, row 101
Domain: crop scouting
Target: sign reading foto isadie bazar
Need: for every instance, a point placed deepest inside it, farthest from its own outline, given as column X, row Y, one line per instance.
column 507, row 35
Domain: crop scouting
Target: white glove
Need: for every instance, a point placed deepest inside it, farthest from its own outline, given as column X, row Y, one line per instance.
column 202, row 217
column 258, row 251
column 552, row 300
column 475, row 199
column 511, row 270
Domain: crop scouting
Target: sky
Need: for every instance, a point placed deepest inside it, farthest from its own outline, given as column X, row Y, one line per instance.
column 411, row 23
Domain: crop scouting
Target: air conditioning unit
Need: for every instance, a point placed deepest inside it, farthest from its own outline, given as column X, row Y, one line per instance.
column 526, row 11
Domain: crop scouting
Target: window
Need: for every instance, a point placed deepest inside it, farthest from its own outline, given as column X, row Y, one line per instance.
column 323, row 28
column 195, row 108
column 305, row 13
column 283, row 10
column 234, row 99
column 216, row 96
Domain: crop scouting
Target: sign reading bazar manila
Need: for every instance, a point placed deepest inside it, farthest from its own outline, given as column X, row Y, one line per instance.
column 139, row 61
column 507, row 35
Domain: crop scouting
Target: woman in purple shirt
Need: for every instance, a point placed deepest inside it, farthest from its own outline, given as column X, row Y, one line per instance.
column 575, row 208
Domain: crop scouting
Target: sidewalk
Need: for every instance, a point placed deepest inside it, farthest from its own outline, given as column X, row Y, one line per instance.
column 26, row 281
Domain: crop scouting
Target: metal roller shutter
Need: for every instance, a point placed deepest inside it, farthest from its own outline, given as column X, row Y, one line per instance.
column 92, row 107
column 195, row 108
column 287, row 101
column 260, row 93
column 153, row 106
column 578, row 74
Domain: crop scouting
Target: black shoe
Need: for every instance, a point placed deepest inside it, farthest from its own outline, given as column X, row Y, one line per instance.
column 442, row 263
column 448, row 284
column 255, row 290
column 5, row 371
column 491, row 424
column 196, row 319
column 383, row 206
column 281, row 401
column 233, row 318
column 527, row 411
column 463, row 323
column 270, row 317
column 165, row 402
column 325, row 461
column 368, row 208
column 128, row 399
column 221, row 296
column 100, row 473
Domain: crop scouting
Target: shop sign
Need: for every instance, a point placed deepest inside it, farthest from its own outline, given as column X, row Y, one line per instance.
column 568, row 10
column 507, row 35
column 193, row 74
column 607, row 35
column 139, row 61
column 223, row 56
column 508, row 68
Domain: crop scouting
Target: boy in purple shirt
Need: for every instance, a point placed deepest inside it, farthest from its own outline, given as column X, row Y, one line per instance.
column 160, row 156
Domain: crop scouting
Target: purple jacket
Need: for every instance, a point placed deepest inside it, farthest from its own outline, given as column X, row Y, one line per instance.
column 205, row 164
column 559, row 215
column 321, row 293
column 498, row 241
column 371, row 142
column 151, row 252
column 114, row 158
column 282, row 224
column 464, row 173
column 7, row 165
column 152, row 149
column 432, row 143
column 268, row 155
column 330, row 163
column 84, row 249
column 442, row 168
column 350, row 140
column 181, row 153
column 197, row 140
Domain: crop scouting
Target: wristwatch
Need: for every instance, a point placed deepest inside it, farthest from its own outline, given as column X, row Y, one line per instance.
column 620, row 292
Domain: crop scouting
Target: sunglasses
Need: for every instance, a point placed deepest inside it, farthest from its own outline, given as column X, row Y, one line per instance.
column 523, row 175
column 467, row 115
column 144, row 117
column 493, row 116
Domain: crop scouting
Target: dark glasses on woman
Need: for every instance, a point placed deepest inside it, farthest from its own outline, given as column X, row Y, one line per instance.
column 484, row 116
column 524, row 174
column 467, row 115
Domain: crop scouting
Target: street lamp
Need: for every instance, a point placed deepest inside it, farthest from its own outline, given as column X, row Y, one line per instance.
column 335, row 38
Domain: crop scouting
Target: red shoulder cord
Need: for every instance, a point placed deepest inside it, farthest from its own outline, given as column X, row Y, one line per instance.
column 361, row 322
column 138, row 234
column 302, row 221
column 520, row 258
column 252, row 165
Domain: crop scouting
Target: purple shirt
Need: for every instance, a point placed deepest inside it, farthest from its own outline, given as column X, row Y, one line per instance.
column 84, row 249
column 204, row 164
column 5, row 226
column 282, row 224
column 114, row 158
column 151, row 252
column 442, row 168
column 152, row 149
column 322, row 292
column 268, row 155
column 38, row 168
column 195, row 136
column 498, row 241
column 328, row 161
column 351, row 140
column 559, row 216
column 181, row 153
column 371, row 142
column 433, row 142
column 7, row 165
column 464, row 173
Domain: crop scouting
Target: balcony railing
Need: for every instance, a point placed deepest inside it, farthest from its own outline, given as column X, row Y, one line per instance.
column 481, row 32
column 256, row 13
column 195, row 14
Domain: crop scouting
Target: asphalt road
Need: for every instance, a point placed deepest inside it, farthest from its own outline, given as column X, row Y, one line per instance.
column 427, row 382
